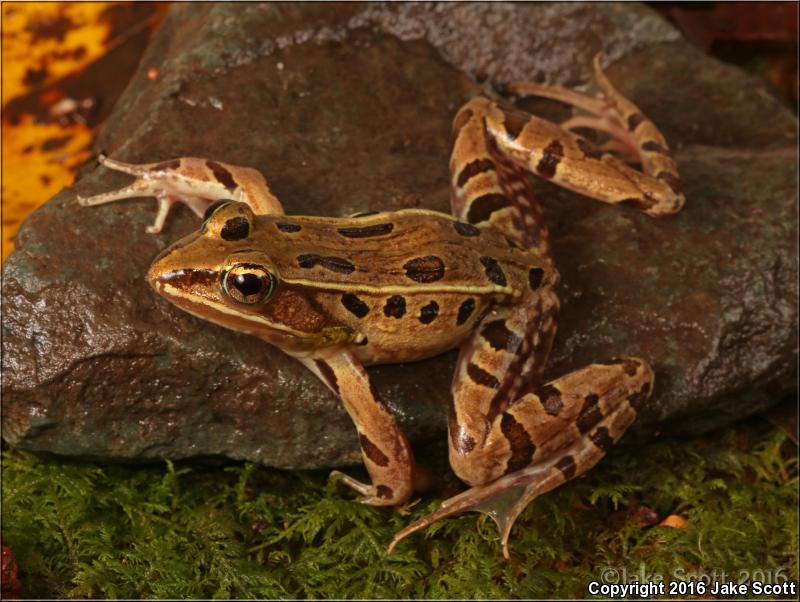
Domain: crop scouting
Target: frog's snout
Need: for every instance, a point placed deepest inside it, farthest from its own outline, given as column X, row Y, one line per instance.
column 183, row 270
column 159, row 271
column 166, row 267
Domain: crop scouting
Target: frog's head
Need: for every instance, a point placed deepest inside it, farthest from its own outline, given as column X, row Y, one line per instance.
column 216, row 274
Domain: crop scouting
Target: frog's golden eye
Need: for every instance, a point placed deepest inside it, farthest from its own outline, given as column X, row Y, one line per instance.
column 248, row 283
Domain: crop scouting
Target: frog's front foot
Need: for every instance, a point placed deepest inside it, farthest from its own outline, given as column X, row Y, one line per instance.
column 198, row 183
column 163, row 181
column 380, row 495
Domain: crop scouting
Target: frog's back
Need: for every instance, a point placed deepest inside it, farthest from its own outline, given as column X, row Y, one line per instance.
column 403, row 251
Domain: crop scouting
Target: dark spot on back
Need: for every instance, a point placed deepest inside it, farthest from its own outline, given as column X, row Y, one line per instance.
column 367, row 231
column 493, row 271
column 567, row 466
column 634, row 121
column 497, row 334
column 472, row 169
column 465, row 311
column 602, row 439
column 551, row 400
column 428, row 313
column 395, row 307
column 481, row 376
column 284, row 227
column 482, row 208
column 372, row 451
column 551, row 157
column 328, row 374
column 425, row 269
column 654, row 147
column 222, row 175
column 466, row 229
column 236, row 228
column 334, row 264
column 535, row 276
column 165, row 165
column 514, row 122
column 522, row 448
column 355, row 305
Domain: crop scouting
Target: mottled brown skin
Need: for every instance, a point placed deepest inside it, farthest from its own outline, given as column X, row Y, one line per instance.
column 342, row 293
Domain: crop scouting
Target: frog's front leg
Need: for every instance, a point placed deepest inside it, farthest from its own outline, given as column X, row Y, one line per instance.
column 385, row 450
column 196, row 182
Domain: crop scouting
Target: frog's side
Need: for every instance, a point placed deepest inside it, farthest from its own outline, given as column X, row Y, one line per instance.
column 339, row 294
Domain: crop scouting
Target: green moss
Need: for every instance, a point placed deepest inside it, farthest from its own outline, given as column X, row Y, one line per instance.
column 190, row 531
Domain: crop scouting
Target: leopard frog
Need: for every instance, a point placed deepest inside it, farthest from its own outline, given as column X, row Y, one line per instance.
column 342, row 293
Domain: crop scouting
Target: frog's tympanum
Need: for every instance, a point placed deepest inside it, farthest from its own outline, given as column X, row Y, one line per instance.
column 342, row 293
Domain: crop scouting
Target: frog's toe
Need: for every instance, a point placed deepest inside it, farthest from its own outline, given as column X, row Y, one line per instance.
column 374, row 500
column 360, row 487
column 371, row 495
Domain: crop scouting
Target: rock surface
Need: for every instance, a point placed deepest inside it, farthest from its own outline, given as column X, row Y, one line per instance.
column 347, row 108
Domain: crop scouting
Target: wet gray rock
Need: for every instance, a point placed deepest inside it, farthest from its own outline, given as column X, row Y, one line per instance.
column 347, row 108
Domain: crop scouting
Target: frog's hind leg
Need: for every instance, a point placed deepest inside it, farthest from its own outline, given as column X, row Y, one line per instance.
column 541, row 440
column 557, row 154
column 198, row 183
column 488, row 190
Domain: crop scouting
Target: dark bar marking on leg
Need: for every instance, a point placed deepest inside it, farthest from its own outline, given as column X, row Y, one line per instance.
column 522, row 448
column 222, row 175
column 372, row 451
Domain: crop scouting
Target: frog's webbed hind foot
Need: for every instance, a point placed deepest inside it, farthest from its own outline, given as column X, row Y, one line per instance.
column 505, row 499
column 596, row 406
column 198, row 183
column 606, row 112
column 633, row 138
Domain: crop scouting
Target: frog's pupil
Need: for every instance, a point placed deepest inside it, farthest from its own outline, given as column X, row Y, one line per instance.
column 248, row 284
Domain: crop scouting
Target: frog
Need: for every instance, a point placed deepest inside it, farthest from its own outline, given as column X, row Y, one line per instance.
column 342, row 293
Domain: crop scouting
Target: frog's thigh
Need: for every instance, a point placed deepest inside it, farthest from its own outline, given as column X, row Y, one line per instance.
column 574, row 419
column 504, row 357
column 385, row 450
column 196, row 182
column 487, row 189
